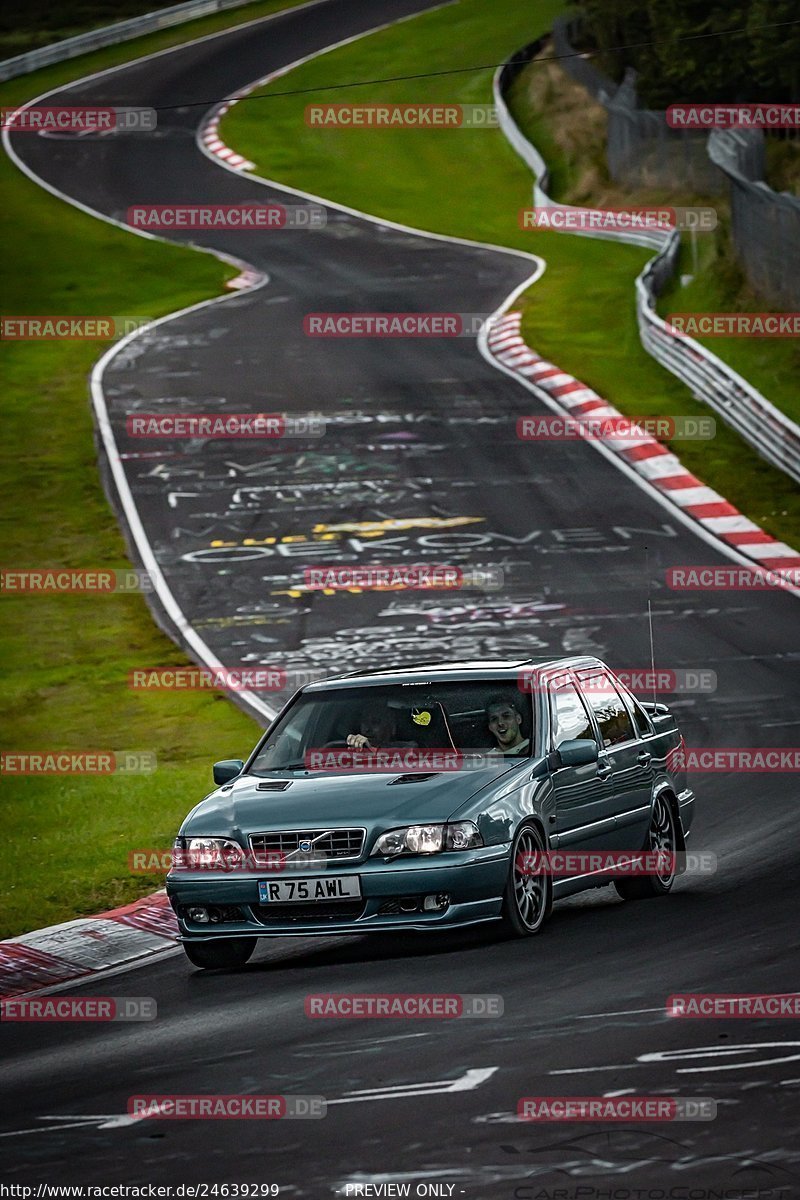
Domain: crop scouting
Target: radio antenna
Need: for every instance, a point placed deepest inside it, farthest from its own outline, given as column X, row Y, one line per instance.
column 650, row 623
column 652, row 650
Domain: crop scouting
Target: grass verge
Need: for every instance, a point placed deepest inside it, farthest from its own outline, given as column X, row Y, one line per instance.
column 67, row 838
column 469, row 183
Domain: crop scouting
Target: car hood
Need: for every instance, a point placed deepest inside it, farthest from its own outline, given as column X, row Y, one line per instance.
column 314, row 799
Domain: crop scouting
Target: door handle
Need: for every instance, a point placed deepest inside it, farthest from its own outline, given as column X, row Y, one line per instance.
column 603, row 767
column 644, row 757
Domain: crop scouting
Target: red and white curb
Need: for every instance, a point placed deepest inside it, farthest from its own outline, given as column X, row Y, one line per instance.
column 647, row 456
column 211, row 140
column 78, row 950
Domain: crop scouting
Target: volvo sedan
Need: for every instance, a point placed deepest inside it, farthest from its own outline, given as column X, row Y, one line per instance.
column 433, row 797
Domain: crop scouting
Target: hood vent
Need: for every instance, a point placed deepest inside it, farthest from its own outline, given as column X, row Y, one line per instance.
column 414, row 777
column 273, row 785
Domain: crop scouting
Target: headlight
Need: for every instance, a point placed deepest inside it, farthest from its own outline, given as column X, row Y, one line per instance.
column 206, row 853
column 428, row 839
column 424, row 839
column 462, row 835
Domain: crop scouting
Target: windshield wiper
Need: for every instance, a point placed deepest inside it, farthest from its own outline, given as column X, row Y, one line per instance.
column 292, row 766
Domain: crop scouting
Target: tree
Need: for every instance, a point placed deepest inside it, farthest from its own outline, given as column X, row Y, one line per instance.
column 775, row 52
column 699, row 51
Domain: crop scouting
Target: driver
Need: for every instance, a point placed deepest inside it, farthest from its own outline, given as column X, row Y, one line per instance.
column 377, row 729
column 504, row 718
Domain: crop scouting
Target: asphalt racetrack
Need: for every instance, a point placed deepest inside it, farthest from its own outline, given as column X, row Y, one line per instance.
column 421, row 437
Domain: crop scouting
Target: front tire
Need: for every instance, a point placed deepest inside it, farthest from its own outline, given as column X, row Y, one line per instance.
column 227, row 952
column 528, row 898
column 662, row 836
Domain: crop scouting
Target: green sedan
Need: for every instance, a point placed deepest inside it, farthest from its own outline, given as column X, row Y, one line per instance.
column 433, row 797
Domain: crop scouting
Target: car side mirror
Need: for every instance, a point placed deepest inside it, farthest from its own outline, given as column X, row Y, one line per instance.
column 226, row 770
column 577, row 752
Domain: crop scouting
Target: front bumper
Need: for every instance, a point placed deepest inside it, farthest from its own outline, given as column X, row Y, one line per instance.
column 474, row 882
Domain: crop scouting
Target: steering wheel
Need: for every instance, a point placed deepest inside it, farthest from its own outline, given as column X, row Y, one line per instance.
column 335, row 745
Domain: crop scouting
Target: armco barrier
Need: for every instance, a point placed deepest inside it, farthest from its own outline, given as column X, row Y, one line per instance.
column 111, row 35
column 711, row 381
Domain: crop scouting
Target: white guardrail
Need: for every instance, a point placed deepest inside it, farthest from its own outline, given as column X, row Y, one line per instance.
column 110, row 35
column 738, row 403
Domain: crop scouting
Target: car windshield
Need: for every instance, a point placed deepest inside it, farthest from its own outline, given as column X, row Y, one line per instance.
column 491, row 716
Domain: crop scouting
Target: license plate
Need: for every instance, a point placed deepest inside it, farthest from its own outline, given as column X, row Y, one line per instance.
column 325, row 887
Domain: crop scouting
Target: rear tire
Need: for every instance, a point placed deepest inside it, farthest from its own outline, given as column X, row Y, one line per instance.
column 227, row 952
column 662, row 835
column 528, row 899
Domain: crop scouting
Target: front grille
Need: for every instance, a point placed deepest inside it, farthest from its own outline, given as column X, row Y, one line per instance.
column 308, row 914
column 335, row 845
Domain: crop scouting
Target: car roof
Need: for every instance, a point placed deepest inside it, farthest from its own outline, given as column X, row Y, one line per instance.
column 451, row 672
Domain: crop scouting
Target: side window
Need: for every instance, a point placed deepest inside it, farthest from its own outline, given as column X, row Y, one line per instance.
column 569, row 717
column 641, row 721
column 612, row 716
column 643, row 726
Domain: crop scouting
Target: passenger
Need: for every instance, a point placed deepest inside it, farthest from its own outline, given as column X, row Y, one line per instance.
column 504, row 718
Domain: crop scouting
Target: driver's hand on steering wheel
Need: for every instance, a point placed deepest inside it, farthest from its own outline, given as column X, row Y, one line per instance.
column 358, row 741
